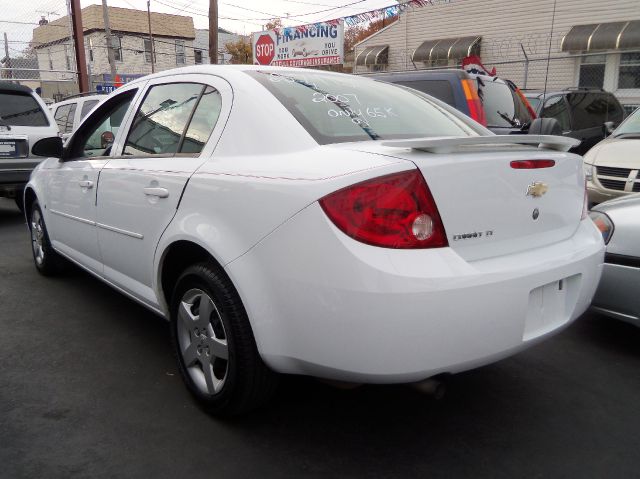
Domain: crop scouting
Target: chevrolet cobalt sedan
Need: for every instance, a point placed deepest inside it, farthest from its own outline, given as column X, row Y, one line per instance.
column 306, row 222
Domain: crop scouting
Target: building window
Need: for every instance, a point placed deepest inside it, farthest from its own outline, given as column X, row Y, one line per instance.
column 116, row 44
column 50, row 59
column 90, row 49
column 180, row 52
column 67, row 58
column 592, row 71
column 629, row 74
column 147, row 51
column 197, row 55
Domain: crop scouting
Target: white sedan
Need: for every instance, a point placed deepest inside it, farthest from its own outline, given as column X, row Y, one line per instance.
column 306, row 222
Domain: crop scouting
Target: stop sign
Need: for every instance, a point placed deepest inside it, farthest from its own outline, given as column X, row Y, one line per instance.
column 265, row 49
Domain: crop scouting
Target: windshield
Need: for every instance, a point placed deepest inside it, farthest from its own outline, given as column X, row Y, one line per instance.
column 20, row 109
column 340, row 108
column 534, row 101
column 630, row 126
column 501, row 105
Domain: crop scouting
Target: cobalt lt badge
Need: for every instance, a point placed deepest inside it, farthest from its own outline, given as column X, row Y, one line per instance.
column 537, row 189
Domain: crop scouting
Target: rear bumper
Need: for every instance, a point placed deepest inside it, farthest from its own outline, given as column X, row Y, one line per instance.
column 325, row 305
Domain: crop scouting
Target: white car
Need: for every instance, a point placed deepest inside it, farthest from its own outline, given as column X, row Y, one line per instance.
column 316, row 223
column 70, row 113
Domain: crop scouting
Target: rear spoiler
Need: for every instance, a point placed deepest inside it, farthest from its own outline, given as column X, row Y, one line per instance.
column 446, row 144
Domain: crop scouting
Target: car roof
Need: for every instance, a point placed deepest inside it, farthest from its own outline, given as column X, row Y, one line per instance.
column 6, row 86
column 561, row 91
column 78, row 99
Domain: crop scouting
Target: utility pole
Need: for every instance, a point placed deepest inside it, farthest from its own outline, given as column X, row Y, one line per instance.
column 153, row 59
column 7, row 58
column 213, row 32
column 78, row 38
column 107, row 30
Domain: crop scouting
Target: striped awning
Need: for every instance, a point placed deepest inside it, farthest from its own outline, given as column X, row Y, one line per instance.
column 377, row 55
column 447, row 49
column 602, row 36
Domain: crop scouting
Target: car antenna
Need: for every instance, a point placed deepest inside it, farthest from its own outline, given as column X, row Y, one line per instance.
column 546, row 76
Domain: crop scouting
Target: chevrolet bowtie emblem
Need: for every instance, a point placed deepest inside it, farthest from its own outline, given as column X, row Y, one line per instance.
column 537, row 189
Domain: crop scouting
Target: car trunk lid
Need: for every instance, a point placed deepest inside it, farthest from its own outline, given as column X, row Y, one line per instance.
column 488, row 207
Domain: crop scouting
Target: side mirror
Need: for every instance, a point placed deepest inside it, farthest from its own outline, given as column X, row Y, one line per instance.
column 545, row 126
column 48, row 147
column 608, row 127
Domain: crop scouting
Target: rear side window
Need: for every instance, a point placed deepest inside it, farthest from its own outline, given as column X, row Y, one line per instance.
column 64, row 117
column 341, row 108
column 441, row 89
column 87, row 107
column 590, row 110
column 160, row 124
column 501, row 105
column 555, row 107
column 21, row 109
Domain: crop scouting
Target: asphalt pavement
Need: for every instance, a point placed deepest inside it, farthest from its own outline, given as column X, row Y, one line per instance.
column 89, row 388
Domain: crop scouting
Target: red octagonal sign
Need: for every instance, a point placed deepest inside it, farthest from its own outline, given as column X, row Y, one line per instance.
column 265, row 49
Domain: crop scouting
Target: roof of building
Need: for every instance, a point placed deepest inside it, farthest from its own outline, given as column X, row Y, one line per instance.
column 125, row 20
column 220, row 30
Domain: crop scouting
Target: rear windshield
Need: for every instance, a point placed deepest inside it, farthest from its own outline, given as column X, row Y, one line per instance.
column 340, row 108
column 501, row 105
column 20, row 109
column 441, row 89
column 591, row 110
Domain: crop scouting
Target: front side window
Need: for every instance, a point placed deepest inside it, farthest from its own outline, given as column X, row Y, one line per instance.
column 555, row 107
column 592, row 71
column 179, row 52
column 629, row 74
column 96, row 135
column 165, row 114
column 20, row 109
column 87, row 107
column 341, row 108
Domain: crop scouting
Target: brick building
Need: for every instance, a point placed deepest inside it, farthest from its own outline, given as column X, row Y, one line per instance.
column 173, row 37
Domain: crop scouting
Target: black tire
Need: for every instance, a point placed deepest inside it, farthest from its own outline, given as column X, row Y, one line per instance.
column 244, row 381
column 47, row 261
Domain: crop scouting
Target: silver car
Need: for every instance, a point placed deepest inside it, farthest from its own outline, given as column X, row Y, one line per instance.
column 618, row 294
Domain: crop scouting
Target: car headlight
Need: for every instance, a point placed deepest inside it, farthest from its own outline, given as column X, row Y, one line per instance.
column 588, row 171
column 603, row 223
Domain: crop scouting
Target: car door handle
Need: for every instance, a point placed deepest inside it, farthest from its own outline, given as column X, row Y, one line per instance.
column 156, row 191
column 86, row 184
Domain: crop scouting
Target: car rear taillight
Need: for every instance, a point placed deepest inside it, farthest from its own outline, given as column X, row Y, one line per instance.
column 476, row 110
column 392, row 211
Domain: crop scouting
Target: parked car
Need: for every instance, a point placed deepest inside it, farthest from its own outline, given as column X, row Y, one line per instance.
column 493, row 102
column 586, row 114
column 24, row 119
column 346, row 229
column 618, row 294
column 69, row 113
column 612, row 166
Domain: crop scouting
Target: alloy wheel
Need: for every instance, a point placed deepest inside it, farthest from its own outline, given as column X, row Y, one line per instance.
column 202, row 341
